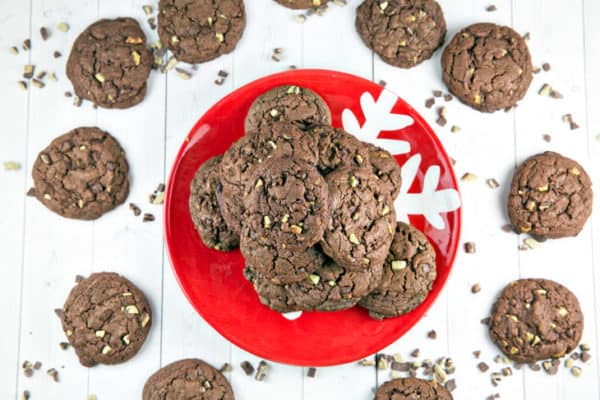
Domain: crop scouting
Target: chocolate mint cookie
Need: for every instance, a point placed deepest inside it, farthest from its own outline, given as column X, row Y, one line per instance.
column 81, row 174
column 408, row 275
column 386, row 168
column 197, row 31
column 281, row 139
column 487, row 66
column 109, row 63
column 338, row 148
column 295, row 104
column 550, row 197
column 187, row 379
column 204, row 207
column 301, row 4
column 403, row 32
column 286, row 202
column 412, row 388
column 536, row 319
column 106, row 319
column 362, row 219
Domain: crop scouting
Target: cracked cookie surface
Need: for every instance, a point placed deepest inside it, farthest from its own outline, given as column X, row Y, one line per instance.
column 338, row 149
column 550, row 197
column 386, row 168
column 187, row 379
column 197, row 31
column 106, row 319
column 109, row 63
column 536, row 319
column 301, row 4
column 412, row 388
column 487, row 66
column 81, row 174
column 403, row 33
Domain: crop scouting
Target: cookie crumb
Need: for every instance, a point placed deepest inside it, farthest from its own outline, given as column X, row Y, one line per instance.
column 429, row 102
column 491, row 8
column 53, row 373
column 483, row 367
column 37, row 365
column 26, row 395
column 432, row 334
column 44, row 33
column 247, row 368
column 135, row 209
column 437, row 93
column 415, row 353
column 477, row 353
column 448, row 97
column 470, row 247
column 547, row 138
column 312, row 372
column 546, row 66
column 476, row 288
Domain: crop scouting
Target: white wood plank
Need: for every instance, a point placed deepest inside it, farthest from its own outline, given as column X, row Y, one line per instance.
column 13, row 144
column 564, row 50
column 56, row 249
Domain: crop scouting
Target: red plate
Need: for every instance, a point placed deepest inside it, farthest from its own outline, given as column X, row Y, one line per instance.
column 213, row 281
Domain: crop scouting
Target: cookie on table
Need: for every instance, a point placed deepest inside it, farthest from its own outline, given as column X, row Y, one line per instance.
column 281, row 139
column 487, row 66
column 362, row 219
column 300, row 106
column 338, row 149
column 109, row 63
column 187, row 379
column 550, row 196
column 286, row 202
column 205, row 210
column 106, row 319
column 197, row 31
column 301, row 4
column 386, row 168
column 408, row 275
column 81, row 174
column 403, row 33
column 536, row 319
column 412, row 388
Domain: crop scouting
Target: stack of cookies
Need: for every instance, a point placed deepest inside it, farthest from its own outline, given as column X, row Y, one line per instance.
column 311, row 208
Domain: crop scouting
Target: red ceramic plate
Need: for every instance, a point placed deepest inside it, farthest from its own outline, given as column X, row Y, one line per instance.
column 213, row 281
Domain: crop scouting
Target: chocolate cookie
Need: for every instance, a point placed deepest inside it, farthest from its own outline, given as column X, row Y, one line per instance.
column 362, row 219
column 408, row 275
column 197, row 31
column 403, row 33
column 386, row 168
column 412, row 389
column 106, row 319
column 301, row 4
column 487, row 66
column 109, row 63
column 187, row 379
column 281, row 139
column 204, row 207
column 81, row 174
column 300, row 106
column 536, row 319
column 550, row 197
column 286, row 203
column 338, row 149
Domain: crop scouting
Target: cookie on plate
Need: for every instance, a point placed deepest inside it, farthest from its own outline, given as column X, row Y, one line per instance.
column 301, row 4
column 81, row 174
column 408, row 275
column 403, row 33
column 487, row 66
column 187, row 379
column 197, row 31
column 338, row 149
column 300, row 106
column 109, row 63
column 286, row 202
column 386, row 168
column 536, row 319
column 412, row 388
column 550, row 196
column 278, row 140
column 106, row 319
column 362, row 219
column 205, row 210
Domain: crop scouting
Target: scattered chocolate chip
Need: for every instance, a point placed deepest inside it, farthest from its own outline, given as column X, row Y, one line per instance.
column 37, row 365
column 546, row 66
column 53, row 373
column 470, row 247
column 476, row 288
column 226, row 368
column 312, row 372
column 547, row 138
column 77, row 101
column 148, row 217
column 536, row 70
column 26, row 395
column 483, row 367
column 429, row 102
column 477, row 353
column 57, row 54
column 527, row 36
column 68, row 94
column 437, row 93
column 223, row 74
column 247, row 368
column 44, row 33
column 58, row 312
column 534, row 367
column 448, row 97
column 585, row 347
column 432, row 334
column 28, row 372
column 492, row 183
column 41, row 75
column 135, row 209
column 491, row 8
column 485, row 321
column 506, row 371
column 63, row 345
column 508, row 228
column 261, row 371
column 27, row 44
column 382, row 83
column 555, row 94
column 79, row 278
column 415, row 353
column 451, row 385
column 585, row 356
column 441, row 121
column 152, row 23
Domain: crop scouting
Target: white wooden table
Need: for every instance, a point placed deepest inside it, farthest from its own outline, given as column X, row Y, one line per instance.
column 41, row 253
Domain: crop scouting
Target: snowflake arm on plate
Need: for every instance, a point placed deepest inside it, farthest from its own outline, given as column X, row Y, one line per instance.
column 431, row 203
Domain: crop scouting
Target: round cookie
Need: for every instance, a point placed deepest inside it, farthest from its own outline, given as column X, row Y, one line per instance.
column 204, row 207
column 362, row 219
column 197, row 31
column 187, row 379
column 408, row 275
column 536, row 319
column 106, row 319
column 550, row 197
column 487, row 66
column 81, row 174
column 386, row 168
column 109, row 63
column 338, row 149
column 412, row 388
column 281, row 139
column 301, row 4
column 403, row 33
column 286, row 202
column 300, row 106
